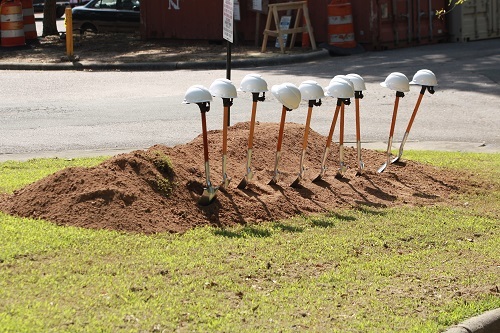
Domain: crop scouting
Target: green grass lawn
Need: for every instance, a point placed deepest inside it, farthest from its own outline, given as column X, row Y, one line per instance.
column 410, row 269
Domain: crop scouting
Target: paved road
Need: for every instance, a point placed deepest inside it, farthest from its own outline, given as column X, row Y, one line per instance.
column 70, row 112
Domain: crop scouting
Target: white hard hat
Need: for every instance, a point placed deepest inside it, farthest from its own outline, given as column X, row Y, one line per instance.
column 311, row 90
column 223, row 88
column 253, row 83
column 357, row 80
column 344, row 77
column 197, row 94
column 424, row 77
column 396, row 81
column 340, row 88
column 287, row 94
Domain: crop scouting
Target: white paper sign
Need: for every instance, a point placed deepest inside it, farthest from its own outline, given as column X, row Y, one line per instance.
column 284, row 25
column 257, row 5
column 237, row 16
column 227, row 20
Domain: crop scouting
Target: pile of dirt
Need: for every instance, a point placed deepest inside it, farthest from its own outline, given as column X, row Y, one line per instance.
column 141, row 192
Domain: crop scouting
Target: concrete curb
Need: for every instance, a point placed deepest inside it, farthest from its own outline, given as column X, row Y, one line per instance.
column 281, row 59
column 488, row 322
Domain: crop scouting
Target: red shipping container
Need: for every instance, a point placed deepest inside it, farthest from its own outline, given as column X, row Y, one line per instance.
column 383, row 24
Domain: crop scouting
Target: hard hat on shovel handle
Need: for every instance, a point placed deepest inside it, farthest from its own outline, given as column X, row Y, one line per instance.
column 311, row 92
column 359, row 87
column 255, row 84
column 344, row 79
column 289, row 96
column 427, row 80
column 400, row 83
column 343, row 90
column 226, row 90
column 201, row 96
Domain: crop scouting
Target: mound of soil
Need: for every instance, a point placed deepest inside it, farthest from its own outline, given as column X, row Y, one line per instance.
column 134, row 192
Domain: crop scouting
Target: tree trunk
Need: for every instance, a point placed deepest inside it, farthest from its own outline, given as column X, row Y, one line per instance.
column 49, row 18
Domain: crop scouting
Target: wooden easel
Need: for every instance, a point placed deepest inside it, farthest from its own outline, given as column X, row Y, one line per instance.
column 300, row 6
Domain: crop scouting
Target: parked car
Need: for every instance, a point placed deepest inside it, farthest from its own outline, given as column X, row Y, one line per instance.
column 107, row 16
column 60, row 7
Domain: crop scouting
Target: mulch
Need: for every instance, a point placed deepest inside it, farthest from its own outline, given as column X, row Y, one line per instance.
column 124, row 192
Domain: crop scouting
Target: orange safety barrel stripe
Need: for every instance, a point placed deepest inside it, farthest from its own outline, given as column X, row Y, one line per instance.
column 11, row 24
column 340, row 26
column 29, row 20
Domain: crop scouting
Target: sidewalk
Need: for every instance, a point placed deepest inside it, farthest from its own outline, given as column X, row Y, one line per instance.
column 106, row 52
column 273, row 59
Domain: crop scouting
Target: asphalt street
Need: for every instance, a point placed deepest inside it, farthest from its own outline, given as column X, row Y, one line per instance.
column 75, row 113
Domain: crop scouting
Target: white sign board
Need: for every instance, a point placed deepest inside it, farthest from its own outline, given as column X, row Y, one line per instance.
column 257, row 5
column 284, row 25
column 236, row 14
column 227, row 20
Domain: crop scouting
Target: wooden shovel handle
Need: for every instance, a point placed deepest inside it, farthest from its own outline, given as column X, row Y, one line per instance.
column 306, row 132
column 394, row 115
column 205, row 137
column 358, row 132
column 282, row 128
column 341, row 138
column 224, row 130
column 415, row 110
column 252, row 125
column 332, row 127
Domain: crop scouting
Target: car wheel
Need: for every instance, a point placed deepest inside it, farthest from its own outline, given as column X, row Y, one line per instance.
column 60, row 10
column 88, row 27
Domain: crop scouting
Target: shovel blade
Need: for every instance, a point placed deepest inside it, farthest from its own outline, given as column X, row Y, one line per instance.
column 225, row 183
column 382, row 168
column 273, row 181
column 317, row 179
column 341, row 171
column 360, row 168
column 296, row 182
column 396, row 159
column 320, row 176
column 245, row 181
column 207, row 196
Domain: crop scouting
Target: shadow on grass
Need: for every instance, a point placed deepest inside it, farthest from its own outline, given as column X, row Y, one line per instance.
column 287, row 228
column 326, row 221
column 322, row 223
column 375, row 212
column 243, row 233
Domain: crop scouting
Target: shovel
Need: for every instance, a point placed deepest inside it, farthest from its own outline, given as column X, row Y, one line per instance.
column 249, row 174
column 227, row 102
column 343, row 167
column 399, row 94
column 358, row 95
column 210, row 191
column 329, row 141
column 275, row 178
column 304, row 142
column 407, row 132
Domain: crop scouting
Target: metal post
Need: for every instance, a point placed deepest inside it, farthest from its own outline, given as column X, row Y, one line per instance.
column 228, row 76
column 69, row 32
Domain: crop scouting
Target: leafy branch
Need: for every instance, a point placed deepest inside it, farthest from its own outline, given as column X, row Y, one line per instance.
column 451, row 4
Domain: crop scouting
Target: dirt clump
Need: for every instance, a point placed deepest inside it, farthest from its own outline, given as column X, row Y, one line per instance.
column 156, row 190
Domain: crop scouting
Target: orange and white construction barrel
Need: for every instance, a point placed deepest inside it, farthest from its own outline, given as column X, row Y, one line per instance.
column 11, row 24
column 340, row 26
column 29, row 20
